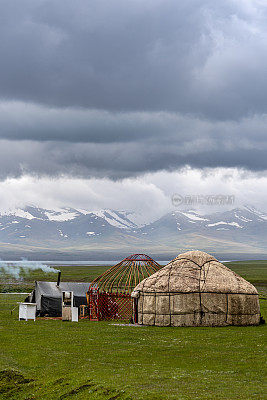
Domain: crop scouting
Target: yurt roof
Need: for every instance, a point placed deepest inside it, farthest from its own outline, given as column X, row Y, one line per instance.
column 195, row 271
column 125, row 275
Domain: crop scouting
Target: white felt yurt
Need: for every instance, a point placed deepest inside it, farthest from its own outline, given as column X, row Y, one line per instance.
column 195, row 289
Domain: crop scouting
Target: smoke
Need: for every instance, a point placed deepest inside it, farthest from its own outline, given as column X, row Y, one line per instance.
column 15, row 269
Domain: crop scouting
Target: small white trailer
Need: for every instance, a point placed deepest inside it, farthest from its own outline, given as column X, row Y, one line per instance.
column 27, row 311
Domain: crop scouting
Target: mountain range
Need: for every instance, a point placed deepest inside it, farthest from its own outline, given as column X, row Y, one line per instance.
column 68, row 233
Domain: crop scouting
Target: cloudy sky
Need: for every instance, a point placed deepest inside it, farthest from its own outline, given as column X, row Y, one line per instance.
column 120, row 104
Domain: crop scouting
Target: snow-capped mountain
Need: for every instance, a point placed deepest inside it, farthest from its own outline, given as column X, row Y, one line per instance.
column 238, row 230
column 33, row 224
column 115, row 218
column 246, row 218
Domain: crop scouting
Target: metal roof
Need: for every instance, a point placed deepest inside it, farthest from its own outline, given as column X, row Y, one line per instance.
column 52, row 290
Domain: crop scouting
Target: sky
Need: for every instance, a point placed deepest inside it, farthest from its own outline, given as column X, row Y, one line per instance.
column 121, row 104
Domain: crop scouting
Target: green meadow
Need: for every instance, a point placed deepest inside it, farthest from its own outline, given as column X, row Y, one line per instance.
column 51, row 359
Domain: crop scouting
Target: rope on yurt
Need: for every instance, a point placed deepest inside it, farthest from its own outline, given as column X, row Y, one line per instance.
column 226, row 316
column 170, row 293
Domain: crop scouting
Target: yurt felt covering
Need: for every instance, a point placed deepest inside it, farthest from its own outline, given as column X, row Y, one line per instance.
column 195, row 289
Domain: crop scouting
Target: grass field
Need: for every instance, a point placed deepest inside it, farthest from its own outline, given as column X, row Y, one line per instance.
column 50, row 359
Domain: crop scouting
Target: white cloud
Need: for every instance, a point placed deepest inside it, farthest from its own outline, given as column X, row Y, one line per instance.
column 148, row 195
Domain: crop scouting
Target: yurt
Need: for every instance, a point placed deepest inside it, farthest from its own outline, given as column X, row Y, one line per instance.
column 195, row 289
column 109, row 295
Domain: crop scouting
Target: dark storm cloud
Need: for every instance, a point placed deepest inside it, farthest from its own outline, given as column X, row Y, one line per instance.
column 120, row 88
column 41, row 123
column 193, row 56
column 167, row 142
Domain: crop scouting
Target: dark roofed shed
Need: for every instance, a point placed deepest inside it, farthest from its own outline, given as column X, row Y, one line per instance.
column 48, row 296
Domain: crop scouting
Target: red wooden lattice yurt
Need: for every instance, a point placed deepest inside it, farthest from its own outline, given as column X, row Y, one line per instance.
column 109, row 295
